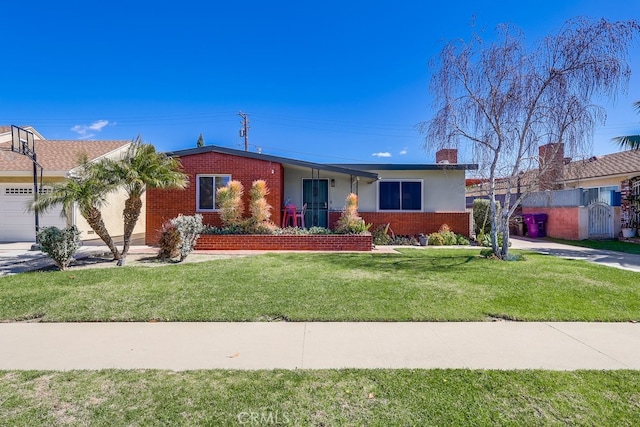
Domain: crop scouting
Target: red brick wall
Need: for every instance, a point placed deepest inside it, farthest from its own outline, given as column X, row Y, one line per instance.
column 562, row 222
column 412, row 223
column 163, row 205
column 272, row 242
column 448, row 154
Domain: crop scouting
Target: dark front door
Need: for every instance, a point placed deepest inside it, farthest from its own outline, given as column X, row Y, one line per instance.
column 315, row 193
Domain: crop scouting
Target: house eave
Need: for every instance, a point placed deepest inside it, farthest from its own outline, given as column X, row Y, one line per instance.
column 275, row 159
column 409, row 166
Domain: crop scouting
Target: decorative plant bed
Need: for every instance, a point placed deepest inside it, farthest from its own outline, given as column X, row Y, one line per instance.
column 331, row 242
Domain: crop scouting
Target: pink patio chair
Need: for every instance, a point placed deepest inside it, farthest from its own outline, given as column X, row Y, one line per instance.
column 289, row 214
column 300, row 216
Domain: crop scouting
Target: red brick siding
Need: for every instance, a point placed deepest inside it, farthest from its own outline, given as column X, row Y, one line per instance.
column 412, row 223
column 271, row 243
column 163, row 205
column 562, row 222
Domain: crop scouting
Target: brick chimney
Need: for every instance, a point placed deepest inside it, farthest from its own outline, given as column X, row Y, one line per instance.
column 551, row 161
column 447, row 155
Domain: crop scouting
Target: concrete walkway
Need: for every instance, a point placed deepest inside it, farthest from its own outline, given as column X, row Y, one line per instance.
column 609, row 258
column 186, row 346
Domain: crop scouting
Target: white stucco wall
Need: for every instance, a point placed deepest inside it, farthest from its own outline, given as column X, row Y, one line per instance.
column 443, row 190
column 112, row 217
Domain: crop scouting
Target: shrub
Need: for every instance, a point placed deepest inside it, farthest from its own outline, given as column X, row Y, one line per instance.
column 179, row 236
column 60, row 244
column 229, row 198
column 463, row 241
column 258, row 207
column 189, row 228
column 436, row 239
column 445, row 237
column 482, row 215
column 404, row 241
column 380, row 235
column 349, row 221
column 169, row 241
column 486, row 240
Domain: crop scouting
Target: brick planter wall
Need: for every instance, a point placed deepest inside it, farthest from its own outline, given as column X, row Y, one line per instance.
column 336, row 242
column 412, row 223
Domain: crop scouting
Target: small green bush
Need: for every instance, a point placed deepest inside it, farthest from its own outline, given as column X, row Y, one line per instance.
column 404, row 241
column 60, row 244
column 436, row 239
column 446, row 237
column 482, row 215
column 380, row 235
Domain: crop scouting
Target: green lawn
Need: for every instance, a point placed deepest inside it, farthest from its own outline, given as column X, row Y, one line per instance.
column 610, row 245
column 417, row 285
column 320, row 398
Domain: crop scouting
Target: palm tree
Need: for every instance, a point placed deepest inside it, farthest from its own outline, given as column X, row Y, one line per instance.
column 631, row 142
column 141, row 168
column 90, row 195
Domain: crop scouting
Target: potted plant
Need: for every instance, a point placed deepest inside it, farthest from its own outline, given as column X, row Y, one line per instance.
column 628, row 228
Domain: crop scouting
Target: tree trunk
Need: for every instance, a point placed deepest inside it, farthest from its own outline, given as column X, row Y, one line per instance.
column 131, row 213
column 94, row 219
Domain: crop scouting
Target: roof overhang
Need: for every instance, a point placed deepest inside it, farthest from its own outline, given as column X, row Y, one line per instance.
column 410, row 166
column 276, row 159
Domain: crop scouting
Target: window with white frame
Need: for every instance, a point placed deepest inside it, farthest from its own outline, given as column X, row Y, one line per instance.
column 206, row 188
column 401, row 195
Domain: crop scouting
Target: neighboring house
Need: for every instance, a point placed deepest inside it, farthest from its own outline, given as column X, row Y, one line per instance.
column 413, row 198
column 58, row 159
column 588, row 198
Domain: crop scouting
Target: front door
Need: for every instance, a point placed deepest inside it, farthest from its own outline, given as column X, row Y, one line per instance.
column 315, row 193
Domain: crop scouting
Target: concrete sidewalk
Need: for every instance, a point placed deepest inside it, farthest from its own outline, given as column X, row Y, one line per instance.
column 186, row 346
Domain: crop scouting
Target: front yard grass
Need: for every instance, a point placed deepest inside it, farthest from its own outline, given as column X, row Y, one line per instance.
column 416, row 285
column 320, row 398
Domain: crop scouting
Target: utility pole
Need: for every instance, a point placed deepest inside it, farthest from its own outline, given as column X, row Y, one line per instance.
column 244, row 130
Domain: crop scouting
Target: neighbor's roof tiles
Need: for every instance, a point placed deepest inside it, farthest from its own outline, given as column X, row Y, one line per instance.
column 622, row 163
column 56, row 155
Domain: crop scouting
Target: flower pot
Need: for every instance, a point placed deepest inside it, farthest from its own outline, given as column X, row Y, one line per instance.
column 424, row 240
column 628, row 232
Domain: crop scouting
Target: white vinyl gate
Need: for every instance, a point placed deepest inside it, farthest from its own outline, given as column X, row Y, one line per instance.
column 600, row 220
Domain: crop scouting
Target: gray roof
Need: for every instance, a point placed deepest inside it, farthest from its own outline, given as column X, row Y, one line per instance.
column 409, row 166
column 275, row 159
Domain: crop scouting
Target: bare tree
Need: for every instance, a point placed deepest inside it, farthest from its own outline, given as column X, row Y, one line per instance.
column 505, row 100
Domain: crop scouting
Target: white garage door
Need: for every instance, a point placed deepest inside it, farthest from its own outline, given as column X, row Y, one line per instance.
column 17, row 224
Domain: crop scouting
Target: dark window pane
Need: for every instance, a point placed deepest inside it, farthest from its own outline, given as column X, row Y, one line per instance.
column 411, row 196
column 389, row 196
column 206, row 191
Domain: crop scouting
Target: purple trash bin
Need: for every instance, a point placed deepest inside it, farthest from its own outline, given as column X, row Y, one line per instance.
column 532, row 225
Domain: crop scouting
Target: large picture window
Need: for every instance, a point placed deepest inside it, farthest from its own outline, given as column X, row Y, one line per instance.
column 400, row 195
column 206, row 188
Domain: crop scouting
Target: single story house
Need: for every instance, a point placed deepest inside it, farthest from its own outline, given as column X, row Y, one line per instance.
column 412, row 198
column 58, row 158
column 586, row 198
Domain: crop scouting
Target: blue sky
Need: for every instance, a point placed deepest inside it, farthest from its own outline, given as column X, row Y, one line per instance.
column 330, row 81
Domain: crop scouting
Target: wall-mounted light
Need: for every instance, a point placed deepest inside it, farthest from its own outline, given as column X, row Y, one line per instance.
column 333, row 182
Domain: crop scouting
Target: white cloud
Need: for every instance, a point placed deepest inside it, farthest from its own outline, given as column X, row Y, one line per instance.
column 403, row 151
column 382, row 154
column 87, row 131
